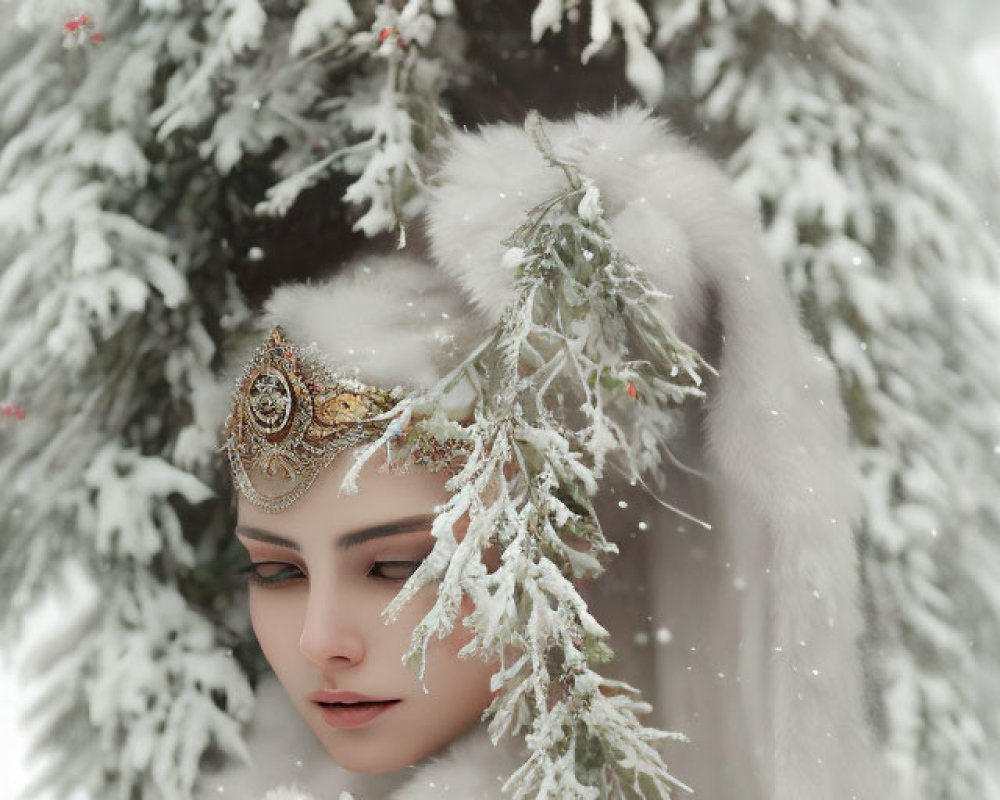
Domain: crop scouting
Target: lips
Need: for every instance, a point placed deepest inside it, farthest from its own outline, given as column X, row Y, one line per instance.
column 349, row 709
column 331, row 697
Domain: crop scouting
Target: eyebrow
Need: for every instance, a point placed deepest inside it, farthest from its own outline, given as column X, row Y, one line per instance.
column 353, row 539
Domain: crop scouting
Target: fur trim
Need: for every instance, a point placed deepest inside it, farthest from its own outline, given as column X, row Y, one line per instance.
column 647, row 179
column 472, row 768
column 294, row 793
column 385, row 319
column 287, row 763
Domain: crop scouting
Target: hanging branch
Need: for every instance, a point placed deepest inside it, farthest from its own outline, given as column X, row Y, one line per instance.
column 581, row 334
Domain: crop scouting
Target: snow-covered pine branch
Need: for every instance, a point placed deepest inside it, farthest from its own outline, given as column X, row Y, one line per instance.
column 349, row 88
column 114, row 289
column 571, row 362
column 642, row 69
column 393, row 103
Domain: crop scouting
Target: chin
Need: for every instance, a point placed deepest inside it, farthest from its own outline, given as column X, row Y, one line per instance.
column 369, row 759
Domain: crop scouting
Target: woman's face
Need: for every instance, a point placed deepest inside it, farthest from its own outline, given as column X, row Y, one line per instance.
column 323, row 571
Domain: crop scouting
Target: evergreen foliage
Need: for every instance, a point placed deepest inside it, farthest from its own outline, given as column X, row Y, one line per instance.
column 582, row 336
column 131, row 171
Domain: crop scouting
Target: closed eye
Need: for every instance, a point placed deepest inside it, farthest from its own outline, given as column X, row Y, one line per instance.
column 397, row 571
column 271, row 573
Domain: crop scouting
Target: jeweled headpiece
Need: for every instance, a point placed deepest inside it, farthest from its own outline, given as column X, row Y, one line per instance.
column 291, row 417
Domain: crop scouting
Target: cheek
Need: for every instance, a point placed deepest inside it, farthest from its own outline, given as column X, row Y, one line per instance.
column 276, row 623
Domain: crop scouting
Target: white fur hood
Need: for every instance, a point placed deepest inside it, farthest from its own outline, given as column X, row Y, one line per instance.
column 755, row 616
column 760, row 665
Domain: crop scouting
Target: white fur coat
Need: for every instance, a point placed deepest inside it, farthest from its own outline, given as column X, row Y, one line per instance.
column 742, row 635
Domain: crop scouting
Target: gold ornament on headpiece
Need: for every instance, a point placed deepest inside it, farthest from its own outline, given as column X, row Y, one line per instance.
column 291, row 417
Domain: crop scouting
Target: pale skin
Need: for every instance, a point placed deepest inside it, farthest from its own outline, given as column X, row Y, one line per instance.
column 323, row 571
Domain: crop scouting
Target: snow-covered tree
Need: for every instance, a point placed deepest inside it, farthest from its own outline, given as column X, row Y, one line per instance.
column 828, row 116
column 145, row 150
column 112, row 303
column 954, row 34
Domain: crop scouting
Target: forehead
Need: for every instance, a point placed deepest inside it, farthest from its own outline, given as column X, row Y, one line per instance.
column 381, row 496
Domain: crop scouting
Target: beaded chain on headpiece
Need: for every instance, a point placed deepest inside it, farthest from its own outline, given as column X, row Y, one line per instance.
column 292, row 416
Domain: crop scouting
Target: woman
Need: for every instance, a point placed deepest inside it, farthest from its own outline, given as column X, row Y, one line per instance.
column 733, row 602
column 324, row 564
column 321, row 573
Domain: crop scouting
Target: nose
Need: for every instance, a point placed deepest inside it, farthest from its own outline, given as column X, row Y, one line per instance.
column 331, row 634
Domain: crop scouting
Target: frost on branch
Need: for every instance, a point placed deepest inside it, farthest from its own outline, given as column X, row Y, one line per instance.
column 392, row 103
column 339, row 87
column 642, row 69
column 124, row 500
column 578, row 373
column 321, row 20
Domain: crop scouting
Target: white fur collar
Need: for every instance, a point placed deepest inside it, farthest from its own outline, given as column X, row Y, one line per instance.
column 287, row 763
